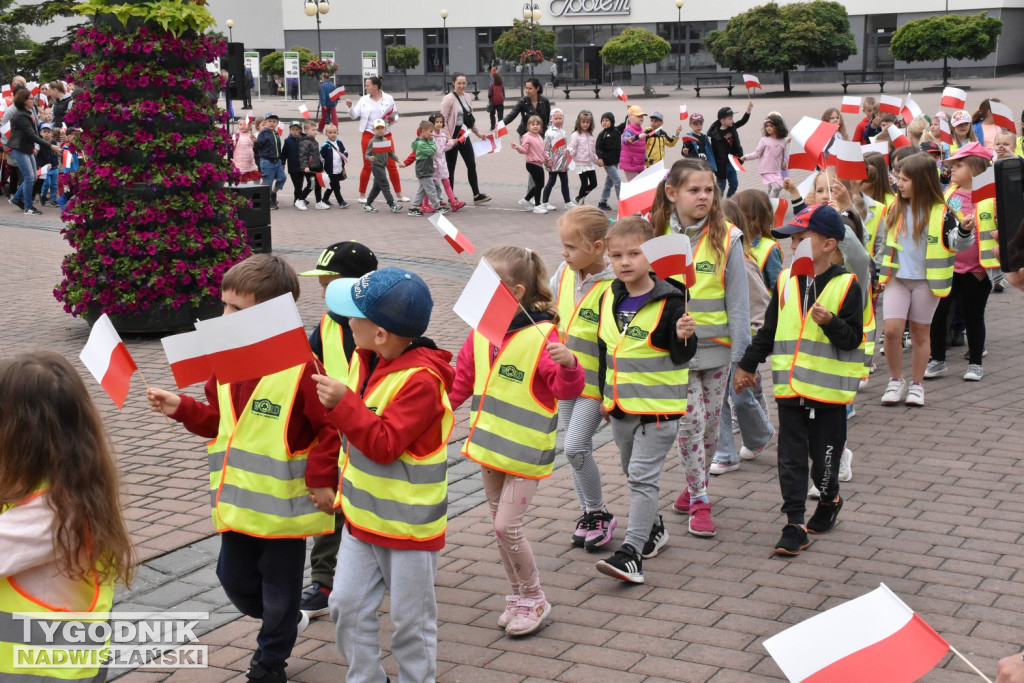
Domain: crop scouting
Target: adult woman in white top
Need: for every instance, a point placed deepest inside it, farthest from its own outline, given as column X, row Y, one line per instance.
column 375, row 104
column 457, row 111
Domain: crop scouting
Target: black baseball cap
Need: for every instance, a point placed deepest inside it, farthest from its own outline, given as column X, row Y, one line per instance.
column 347, row 259
column 820, row 218
column 724, row 112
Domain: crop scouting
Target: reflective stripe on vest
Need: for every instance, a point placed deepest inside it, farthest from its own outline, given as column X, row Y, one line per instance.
column 258, row 487
column 408, row 498
column 985, row 225
column 761, row 252
column 707, row 296
column 25, row 659
column 332, row 341
column 579, row 325
column 938, row 260
column 511, row 430
column 804, row 362
column 640, row 378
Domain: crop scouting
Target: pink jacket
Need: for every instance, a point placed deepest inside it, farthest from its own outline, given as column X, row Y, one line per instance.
column 770, row 152
column 243, row 157
column 533, row 147
column 581, row 147
column 634, row 149
column 443, row 145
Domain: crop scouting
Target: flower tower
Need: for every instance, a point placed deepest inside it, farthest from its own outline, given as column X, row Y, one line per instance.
column 151, row 221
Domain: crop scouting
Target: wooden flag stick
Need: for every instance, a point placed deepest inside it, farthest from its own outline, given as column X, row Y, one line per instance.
column 166, row 419
column 518, row 303
column 968, row 663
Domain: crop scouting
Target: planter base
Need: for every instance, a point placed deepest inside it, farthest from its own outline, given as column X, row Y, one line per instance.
column 158, row 321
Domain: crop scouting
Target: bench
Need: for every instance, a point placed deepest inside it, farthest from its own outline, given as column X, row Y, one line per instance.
column 864, row 78
column 568, row 86
column 477, row 89
column 717, row 81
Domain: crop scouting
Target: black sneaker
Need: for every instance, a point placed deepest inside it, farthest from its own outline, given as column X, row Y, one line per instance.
column 258, row 672
column 481, row 198
column 415, row 211
column 604, row 206
column 824, row 518
column 273, row 204
column 793, row 540
column 314, row 601
column 624, row 565
column 583, row 526
column 33, row 211
column 17, row 202
column 656, row 541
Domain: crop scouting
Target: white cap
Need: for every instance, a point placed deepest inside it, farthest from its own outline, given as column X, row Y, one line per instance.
column 380, row 123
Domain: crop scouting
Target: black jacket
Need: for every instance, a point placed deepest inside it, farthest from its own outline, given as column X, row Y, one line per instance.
column 609, row 144
column 265, row 150
column 60, row 110
column 525, row 108
column 726, row 141
column 327, row 154
column 24, row 135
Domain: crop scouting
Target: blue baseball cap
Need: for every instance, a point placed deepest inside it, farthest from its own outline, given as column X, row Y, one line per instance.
column 45, row 125
column 819, row 218
column 272, row 115
column 397, row 300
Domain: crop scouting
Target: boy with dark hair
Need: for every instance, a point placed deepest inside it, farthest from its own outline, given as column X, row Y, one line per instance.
column 291, row 153
column 268, row 151
column 425, row 149
column 725, row 140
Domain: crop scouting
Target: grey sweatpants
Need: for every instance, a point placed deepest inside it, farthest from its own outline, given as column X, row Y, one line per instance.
column 642, row 452
column 427, row 188
column 380, row 186
column 364, row 571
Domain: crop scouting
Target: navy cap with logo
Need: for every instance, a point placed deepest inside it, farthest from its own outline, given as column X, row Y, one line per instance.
column 347, row 259
column 394, row 299
column 819, row 218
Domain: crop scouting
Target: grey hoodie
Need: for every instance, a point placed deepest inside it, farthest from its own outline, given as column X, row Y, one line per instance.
column 582, row 285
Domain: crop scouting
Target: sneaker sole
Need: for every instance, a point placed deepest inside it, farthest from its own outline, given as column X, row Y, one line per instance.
column 536, row 625
column 790, row 553
column 658, row 547
column 611, row 571
column 701, row 534
column 314, row 613
column 723, row 470
column 681, row 510
column 601, row 540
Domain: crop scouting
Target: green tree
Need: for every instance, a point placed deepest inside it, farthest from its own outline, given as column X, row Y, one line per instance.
column 516, row 40
column 636, row 46
column 46, row 61
column 774, row 38
column 404, row 58
column 953, row 36
column 273, row 64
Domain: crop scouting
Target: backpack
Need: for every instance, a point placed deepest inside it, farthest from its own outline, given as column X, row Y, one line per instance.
column 309, row 155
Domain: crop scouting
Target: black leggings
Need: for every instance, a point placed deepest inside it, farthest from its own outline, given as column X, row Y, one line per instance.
column 588, row 183
column 335, row 188
column 973, row 296
column 469, row 156
column 552, row 177
column 497, row 112
column 536, row 172
column 300, row 181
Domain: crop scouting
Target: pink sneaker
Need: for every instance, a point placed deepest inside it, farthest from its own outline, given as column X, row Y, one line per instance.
column 511, row 602
column 530, row 614
column 701, row 523
column 601, row 530
column 682, row 503
column 456, row 205
column 428, row 209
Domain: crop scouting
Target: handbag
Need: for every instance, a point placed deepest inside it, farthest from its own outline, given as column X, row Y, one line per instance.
column 467, row 115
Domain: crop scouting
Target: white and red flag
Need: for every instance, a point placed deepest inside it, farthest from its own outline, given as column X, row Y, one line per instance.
column 945, row 134
column 33, row 88
column 1002, row 115
column 257, row 341
column 954, row 98
column 690, row 137
column 851, row 105
column 621, row 95
column 682, row 112
column 807, row 185
column 280, row 131
column 803, row 257
column 637, row 195
column 984, row 185
column 5, row 129
column 41, row 173
column 671, row 255
column 43, row 100
column 304, row 110
column 898, row 137
column 337, row 93
column 501, row 130
column 186, row 355
column 107, row 359
column 880, row 147
column 887, row 104
column 848, row 158
column 910, row 110
column 812, row 136
column 735, row 162
column 558, row 144
column 486, row 304
column 462, row 132
column 486, row 145
column 381, row 146
column 751, row 81
column 322, row 179
column 874, row 637
column 459, row 242
column 796, row 157
column 780, row 205
column 389, row 115
column 67, row 160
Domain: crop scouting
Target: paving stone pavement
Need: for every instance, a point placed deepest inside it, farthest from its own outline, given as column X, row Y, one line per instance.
column 934, row 510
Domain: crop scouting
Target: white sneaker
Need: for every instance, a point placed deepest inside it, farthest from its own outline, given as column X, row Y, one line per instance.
column 863, row 384
column 747, row 454
column 571, row 205
column 321, row 206
column 525, row 203
column 907, row 341
column 845, row 471
column 895, row 392
column 915, row 396
column 935, row 368
column 549, row 206
column 539, row 209
column 301, row 205
column 813, row 492
column 362, row 200
column 401, row 199
column 721, row 468
column 974, row 373
column 303, row 621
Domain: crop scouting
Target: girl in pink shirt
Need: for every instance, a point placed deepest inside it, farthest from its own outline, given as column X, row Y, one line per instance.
column 771, row 153
column 242, row 158
column 583, row 151
column 532, row 146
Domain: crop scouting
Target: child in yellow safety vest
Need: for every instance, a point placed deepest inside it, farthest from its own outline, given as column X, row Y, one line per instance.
column 687, row 203
column 332, row 344
column 64, row 539
column 646, row 341
column 585, row 274
column 261, row 472
column 513, row 419
column 813, row 330
column 396, row 420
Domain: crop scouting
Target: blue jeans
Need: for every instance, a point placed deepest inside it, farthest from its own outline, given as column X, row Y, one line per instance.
column 610, row 180
column 27, row 168
column 755, row 428
column 273, row 174
column 731, row 177
column 50, row 185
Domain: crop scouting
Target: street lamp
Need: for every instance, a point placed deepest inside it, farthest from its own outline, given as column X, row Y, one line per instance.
column 679, row 46
column 314, row 9
column 444, row 24
column 230, row 23
column 531, row 13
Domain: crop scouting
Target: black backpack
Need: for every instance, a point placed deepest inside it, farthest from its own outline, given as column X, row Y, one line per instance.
column 309, row 155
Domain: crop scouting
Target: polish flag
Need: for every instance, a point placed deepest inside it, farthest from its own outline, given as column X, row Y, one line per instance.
column 813, row 136
column 337, row 93
column 501, row 130
column 5, row 129
column 984, row 185
column 322, row 179
column 486, row 304
column 682, row 112
column 187, row 357
column 848, row 158
column 898, row 136
column 43, row 100
column 107, row 358
column 462, row 133
column 33, row 88
column 41, row 173
column 5, row 91
column 945, row 134
column 1002, row 115
column 954, row 98
column 690, row 137
column 389, row 114
column 67, row 160
column 797, row 158
column 851, row 105
column 257, row 341
column 807, row 186
column 887, row 104
column 780, row 206
column 280, row 131
column 910, row 110
column 873, row 637
column 637, row 195
column 460, row 243
column 803, row 257
column 671, row 255
column 735, row 161
column 381, row 146
column 751, row 81
column 880, row 147
column 621, row 95
column 304, row 110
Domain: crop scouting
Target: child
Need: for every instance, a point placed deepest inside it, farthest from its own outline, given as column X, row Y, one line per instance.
column 971, row 284
column 425, row 150
column 269, row 151
column 578, row 284
column 962, row 130
column 311, row 162
column 687, row 203
column 263, row 544
column 725, row 140
column 868, row 108
column 934, row 133
column 646, row 340
column 378, row 152
column 771, row 151
column 396, row 420
column 442, row 183
column 335, row 159
column 290, row 152
column 532, row 148
column 758, row 220
column 583, row 150
column 698, row 146
column 634, row 151
column 64, row 539
column 835, row 117
column 46, row 157
column 921, row 241
column 332, row 343
column 658, row 139
column 1003, row 144
column 814, row 335
column 242, row 156
column 557, row 160
column 608, row 148
column 64, row 176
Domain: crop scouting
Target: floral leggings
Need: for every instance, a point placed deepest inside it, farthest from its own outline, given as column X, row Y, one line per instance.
column 508, row 496
column 698, row 431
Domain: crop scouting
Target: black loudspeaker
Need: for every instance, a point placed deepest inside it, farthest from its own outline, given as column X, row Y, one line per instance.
column 236, row 69
column 256, row 216
column 259, row 240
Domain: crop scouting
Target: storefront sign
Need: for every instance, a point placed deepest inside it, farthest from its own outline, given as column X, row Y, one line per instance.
column 370, row 67
column 252, row 63
column 589, row 8
column 291, row 64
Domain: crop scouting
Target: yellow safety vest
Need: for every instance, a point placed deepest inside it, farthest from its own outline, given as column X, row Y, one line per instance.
column 707, row 296
column 407, row 499
column 511, row 430
column 878, row 219
column 332, row 341
column 257, row 485
column 938, row 260
column 579, row 325
column 804, row 362
column 762, row 251
column 17, row 652
column 985, row 224
column 640, row 378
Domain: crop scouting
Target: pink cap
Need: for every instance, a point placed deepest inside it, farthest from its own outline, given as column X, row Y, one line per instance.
column 972, row 149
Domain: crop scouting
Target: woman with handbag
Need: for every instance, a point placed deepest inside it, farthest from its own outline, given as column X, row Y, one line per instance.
column 457, row 112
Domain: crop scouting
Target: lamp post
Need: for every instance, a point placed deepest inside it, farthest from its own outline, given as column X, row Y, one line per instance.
column 444, row 26
column 230, row 23
column 531, row 13
column 679, row 45
column 315, row 9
